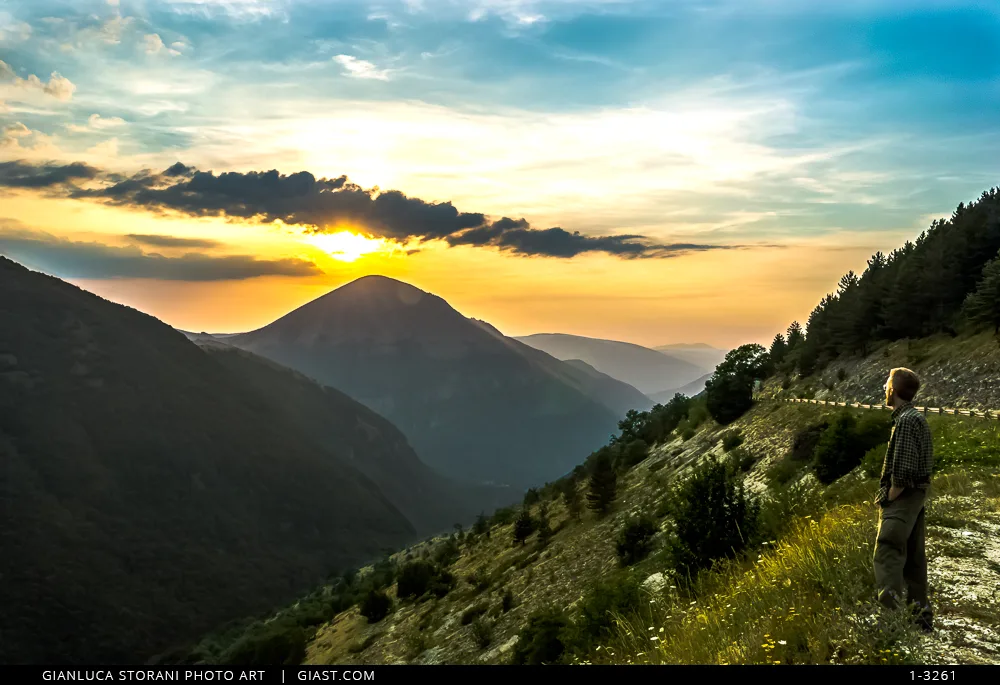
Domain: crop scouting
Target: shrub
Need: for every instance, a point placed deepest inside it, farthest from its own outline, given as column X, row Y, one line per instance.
column 524, row 526
column 635, row 540
column 447, row 552
column 479, row 579
column 687, row 434
column 841, row 374
column 742, row 460
column 545, row 532
column 417, row 578
column 873, row 460
column 603, row 485
column 376, row 605
column 442, row 583
column 712, row 517
column 804, row 442
column 507, row 601
column 540, row 641
column 482, row 525
column 843, row 445
column 504, row 515
column 531, row 497
column 267, row 644
column 482, row 632
column 606, row 600
column 472, row 613
column 631, row 454
column 731, row 440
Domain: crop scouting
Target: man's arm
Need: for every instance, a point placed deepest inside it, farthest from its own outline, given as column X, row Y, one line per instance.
column 907, row 459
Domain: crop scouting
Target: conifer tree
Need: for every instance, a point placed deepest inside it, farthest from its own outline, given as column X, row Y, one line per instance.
column 524, row 526
column 603, row 485
column 983, row 305
column 572, row 497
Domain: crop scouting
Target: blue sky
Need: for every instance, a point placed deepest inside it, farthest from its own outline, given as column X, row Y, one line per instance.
column 821, row 125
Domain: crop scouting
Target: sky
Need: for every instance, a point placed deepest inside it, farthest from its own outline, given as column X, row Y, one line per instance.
column 655, row 172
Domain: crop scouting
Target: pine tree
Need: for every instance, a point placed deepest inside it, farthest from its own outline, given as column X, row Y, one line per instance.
column 572, row 497
column 544, row 531
column 603, row 485
column 778, row 349
column 794, row 336
column 523, row 526
column 983, row 305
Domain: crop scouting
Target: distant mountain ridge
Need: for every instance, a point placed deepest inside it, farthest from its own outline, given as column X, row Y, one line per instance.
column 699, row 354
column 473, row 403
column 647, row 370
column 152, row 488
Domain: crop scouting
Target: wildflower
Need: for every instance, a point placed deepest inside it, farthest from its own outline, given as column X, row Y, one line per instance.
column 782, row 642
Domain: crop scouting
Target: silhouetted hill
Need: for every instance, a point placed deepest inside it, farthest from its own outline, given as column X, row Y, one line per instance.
column 690, row 390
column 701, row 355
column 150, row 490
column 647, row 370
column 473, row 403
column 430, row 501
column 617, row 395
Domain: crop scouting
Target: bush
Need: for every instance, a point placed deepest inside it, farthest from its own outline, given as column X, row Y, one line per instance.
column 712, row 517
column 805, row 441
column 376, row 605
column 631, row 454
column 482, row 632
column 843, row 445
column 603, row 485
column 267, row 644
column 687, row 434
column 742, row 460
column 531, row 497
column 731, row 440
column 447, row 552
column 417, row 578
column 540, row 641
column 841, row 374
column 524, row 526
column 606, row 600
column 635, row 540
column 873, row 460
column 442, row 583
column 545, row 532
column 507, row 601
column 504, row 515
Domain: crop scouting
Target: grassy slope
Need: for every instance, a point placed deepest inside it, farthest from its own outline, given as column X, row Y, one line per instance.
column 806, row 597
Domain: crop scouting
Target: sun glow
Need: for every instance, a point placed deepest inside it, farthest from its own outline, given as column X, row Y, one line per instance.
column 345, row 245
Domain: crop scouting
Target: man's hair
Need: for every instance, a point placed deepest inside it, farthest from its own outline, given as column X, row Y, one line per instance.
column 904, row 383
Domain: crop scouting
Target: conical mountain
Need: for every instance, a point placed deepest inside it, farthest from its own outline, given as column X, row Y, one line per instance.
column 474, row 404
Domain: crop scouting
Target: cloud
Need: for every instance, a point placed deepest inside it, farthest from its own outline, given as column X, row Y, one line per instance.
column 95, row 122
column 16, row 130
column 5, row 70
column 20, row 174
column 58, row 86
column 69, row 259
column 359, row 68
column 11, row 29
column 170, row 241
column 153, row 45
column 327, row 205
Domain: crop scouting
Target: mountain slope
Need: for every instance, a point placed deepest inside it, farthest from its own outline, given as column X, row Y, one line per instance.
column 149, row 492
column 616, row 395
column 699, row 354
column 474, row 404
column 428, row 500
column 690, row 390
column 645, row 369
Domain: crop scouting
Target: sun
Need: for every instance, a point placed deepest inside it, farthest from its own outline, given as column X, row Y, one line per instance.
column 345, row 245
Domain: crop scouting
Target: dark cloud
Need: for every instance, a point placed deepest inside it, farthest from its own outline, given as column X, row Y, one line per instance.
column 20, row 174
column 170, row 241
column 69, row 259
column 325, row 204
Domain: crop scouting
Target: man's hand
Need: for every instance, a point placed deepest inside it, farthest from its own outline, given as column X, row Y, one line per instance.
column 894, row 492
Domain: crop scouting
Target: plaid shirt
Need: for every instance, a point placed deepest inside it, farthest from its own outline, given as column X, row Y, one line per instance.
column 910, row 456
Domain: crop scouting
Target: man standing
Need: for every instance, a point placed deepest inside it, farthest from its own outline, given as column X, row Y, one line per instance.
column 900, row 560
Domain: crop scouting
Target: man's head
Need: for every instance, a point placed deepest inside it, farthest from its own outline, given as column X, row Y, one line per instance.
column 901, row 387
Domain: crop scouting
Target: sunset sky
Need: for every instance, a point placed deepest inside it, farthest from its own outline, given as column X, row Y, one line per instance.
column 656, row 172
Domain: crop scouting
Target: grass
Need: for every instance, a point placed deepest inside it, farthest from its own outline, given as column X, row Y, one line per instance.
column 799, row 602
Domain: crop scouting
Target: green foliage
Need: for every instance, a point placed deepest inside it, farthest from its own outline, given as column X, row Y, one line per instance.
column 571, row 496
column 482, row 632
column 603, row 486
column 871, row 464
column 687, row 434
column 376, row 605
column 843, row 444
column 504, row 515
column 604, row 601
column 712, row 517
column 544, row 531
column 417, row 578
column 983, row 305
column 742, row 459
column 729, row 392
column 631, row 454
column 268, row 644
column 541, row 640
column 635, row 540
column 530, row 497
column 805, row 440
column 731, row 440
column 482, row 525
column 524, row 526
column 447, row 552
column 507, row 601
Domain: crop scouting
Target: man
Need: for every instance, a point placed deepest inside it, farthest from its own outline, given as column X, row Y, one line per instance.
column 900, row 560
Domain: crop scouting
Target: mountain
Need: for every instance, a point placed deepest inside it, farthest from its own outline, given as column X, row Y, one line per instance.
column 699, row 354
column 152, row 489
column 615, row 393
column 474, row 404
column 691, row 389
column 647, row 370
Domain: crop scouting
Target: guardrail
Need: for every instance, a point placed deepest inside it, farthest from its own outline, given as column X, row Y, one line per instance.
column 977, row 413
